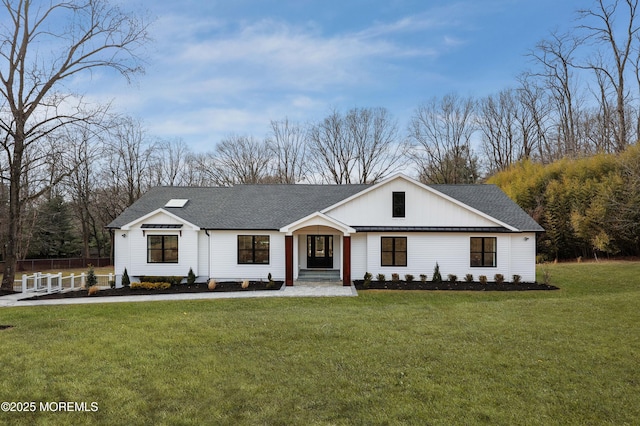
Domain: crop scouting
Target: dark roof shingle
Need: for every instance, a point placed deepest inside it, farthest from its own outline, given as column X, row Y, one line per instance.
column 266, row 207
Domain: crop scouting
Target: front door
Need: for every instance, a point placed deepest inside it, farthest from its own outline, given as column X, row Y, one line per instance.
column 319, row 251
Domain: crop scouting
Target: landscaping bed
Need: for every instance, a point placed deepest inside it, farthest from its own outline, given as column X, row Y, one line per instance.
column 223, row 286
column 448, row 285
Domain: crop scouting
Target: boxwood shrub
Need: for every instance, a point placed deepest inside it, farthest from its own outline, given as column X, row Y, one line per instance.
column 151, row 285
column 172, row 280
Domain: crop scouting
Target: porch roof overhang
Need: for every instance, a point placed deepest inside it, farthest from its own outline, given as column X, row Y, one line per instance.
column 142, row 219
column 317, row 219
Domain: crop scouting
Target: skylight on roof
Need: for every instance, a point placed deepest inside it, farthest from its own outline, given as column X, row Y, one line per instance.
column 176, row 202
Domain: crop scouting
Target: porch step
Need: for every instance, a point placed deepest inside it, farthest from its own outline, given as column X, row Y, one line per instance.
column 319, row 275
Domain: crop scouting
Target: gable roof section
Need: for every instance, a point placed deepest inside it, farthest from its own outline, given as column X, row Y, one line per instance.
column 172, row 215
column 492, row 201
column 317, row 219
column 272, row 207
column 488, row 201
column 246, row 207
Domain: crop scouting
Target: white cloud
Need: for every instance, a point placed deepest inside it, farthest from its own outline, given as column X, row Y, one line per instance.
column 207, row 78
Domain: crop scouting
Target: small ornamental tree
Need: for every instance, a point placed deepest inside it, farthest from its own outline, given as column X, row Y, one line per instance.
column 91, row 277
column 367, row 279
column 191, row 277
column 126, row 282
column 437, row 278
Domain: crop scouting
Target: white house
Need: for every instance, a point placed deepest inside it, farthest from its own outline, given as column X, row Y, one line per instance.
column 341, row 231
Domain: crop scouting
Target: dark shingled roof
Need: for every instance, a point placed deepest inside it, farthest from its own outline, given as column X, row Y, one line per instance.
column 264, row 207
column 491, row 200
column 241, row 206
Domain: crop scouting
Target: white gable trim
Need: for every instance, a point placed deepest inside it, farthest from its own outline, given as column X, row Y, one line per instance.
column 129, row 225
column 317, row 219
column 426, row 188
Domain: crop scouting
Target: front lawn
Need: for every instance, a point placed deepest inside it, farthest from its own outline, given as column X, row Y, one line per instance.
column 568, row 356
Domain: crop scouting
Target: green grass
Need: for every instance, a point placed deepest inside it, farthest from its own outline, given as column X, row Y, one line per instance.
column 514, row 358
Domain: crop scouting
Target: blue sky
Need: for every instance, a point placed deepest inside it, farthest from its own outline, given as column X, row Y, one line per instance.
column 221, row 67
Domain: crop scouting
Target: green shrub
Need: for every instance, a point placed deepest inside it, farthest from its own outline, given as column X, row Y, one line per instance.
column 191, row 277
column 395, row 277
column 423, row 278
column 452, row 278
column 172, row 280
column 498, row 278
column 483, row 279
column 468, row 278
column 91, row 277
column 125, row 278
column 270, row 283
column 367, row 279
column 516, row 279
column 437, row 278
column 408, row 278
column 147, row 285
column 381, row 277
column 112, row 284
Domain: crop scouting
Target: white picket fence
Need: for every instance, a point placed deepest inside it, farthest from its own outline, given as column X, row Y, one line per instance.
column 51, row 283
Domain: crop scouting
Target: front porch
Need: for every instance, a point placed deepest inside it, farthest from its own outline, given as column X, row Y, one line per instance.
column 317, row 248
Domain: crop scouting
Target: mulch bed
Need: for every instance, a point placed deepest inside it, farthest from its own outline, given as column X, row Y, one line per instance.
column 446, row 285
column 7, row 292
column 223, row 286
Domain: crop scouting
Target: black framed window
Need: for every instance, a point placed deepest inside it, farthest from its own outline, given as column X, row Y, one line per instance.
column 398, row 204
column 253, row 249
column 162, row 249
column 393, row 251
column 483, row 251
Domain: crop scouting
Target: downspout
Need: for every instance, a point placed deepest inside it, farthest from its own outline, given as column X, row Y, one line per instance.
column 112, row 234
column 206, row 231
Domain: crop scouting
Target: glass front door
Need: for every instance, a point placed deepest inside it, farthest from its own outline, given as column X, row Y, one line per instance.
column 319, row 251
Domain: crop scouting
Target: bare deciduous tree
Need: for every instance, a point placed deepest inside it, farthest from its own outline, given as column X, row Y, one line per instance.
column 510, row 126
column 441, row 130
column 555, row 56
column 536, row 118
column 497, row 120
column 41, row 46
column 599, row 23
column 129, row 159
column 361, row 146
column 240, row 160
column 288, row 149
column 81, row 184
column 375, row 136
column 331, row 152
column 170, row 159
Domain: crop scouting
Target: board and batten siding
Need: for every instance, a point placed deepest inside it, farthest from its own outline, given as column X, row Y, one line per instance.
column 203, row 257
column 358, row 255
column 523, row 256
column 121, row 254
column 187, row 253
column 450, row 250
column 131, row 250
column 224, row 257
column 422, row 208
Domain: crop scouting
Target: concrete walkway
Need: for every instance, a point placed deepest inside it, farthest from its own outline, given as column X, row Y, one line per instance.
column 299, row 289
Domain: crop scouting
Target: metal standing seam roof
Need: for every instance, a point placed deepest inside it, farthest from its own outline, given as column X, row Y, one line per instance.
column 270, row 207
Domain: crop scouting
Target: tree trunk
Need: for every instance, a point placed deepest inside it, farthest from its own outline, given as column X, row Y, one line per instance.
column 13, row 233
